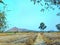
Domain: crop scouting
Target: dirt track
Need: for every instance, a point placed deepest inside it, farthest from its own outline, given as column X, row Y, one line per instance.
column 29, row 38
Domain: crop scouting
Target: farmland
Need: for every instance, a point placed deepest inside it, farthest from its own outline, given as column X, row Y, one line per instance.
column 29, row 38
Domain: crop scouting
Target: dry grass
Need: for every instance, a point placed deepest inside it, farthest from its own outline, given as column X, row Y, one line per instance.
column 52, row 37
column 12, row 44
column 17, row 38
column 30, row 38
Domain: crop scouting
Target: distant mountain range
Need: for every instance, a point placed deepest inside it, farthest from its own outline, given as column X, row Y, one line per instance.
column 15, row 29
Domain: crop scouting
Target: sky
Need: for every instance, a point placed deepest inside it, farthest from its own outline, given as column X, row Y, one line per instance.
column 24, row 14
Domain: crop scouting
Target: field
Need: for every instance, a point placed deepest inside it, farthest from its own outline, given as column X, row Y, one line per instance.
column 30, row 38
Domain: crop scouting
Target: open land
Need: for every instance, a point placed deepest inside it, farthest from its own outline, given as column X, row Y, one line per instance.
column 30, row 38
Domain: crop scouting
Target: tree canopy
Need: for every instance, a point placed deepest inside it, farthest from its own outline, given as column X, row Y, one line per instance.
column 58, row 26
column 48, row 4
column 42, row 26
column 2, row 18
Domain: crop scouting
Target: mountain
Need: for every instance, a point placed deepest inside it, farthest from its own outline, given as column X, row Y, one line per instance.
column 15, row 29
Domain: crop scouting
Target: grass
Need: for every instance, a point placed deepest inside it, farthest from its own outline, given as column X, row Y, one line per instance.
column 28, row 38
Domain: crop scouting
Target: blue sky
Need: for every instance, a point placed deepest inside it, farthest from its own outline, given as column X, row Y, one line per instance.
column 24, row 14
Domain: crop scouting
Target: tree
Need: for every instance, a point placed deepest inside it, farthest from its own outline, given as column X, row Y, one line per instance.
column 2, row 2
column 48, row 4
column 58, row 26
column 42, row 26
column 2, row 19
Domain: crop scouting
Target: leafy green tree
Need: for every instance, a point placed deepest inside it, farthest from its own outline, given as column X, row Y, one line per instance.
column 2, row 19
column 42, row 26
column 48, row 4
column 2, row 2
